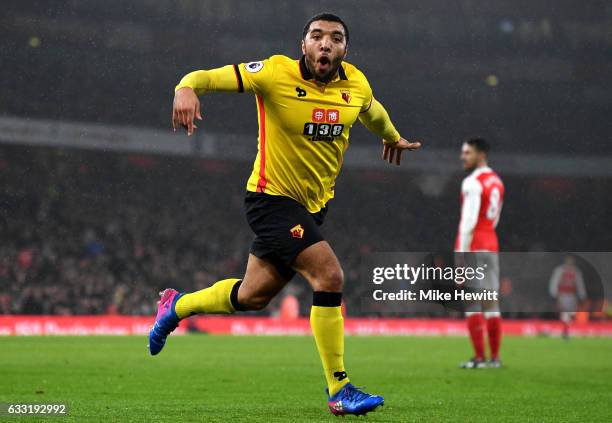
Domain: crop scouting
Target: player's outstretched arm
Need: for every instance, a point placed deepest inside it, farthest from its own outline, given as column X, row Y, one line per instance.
column 186, row 106
column 377, row 120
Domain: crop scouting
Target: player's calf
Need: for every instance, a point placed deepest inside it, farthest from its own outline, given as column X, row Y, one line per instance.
column 254, row 303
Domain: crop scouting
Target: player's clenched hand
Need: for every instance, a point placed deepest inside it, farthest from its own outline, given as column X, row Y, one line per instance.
column 391, row 151
column 185, row 109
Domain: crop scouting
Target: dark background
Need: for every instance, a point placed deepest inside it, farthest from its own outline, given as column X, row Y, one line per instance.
column 90, row 232
column 428, row 62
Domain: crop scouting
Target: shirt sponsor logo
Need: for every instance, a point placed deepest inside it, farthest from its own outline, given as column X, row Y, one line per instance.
column 323, row 115
column 332, row 116
column 324, row 125
column 318, row 115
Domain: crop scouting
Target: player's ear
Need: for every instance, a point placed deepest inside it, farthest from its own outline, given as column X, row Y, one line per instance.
column 303, row 46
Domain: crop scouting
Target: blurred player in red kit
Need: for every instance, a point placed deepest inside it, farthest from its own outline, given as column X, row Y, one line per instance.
column 482, row 194
column 566, row 286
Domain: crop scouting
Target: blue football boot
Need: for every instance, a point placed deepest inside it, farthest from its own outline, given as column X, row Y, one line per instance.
column 350, row 400
column 165, row 321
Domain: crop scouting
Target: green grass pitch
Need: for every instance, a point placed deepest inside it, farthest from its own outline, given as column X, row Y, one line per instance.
column 278, row 379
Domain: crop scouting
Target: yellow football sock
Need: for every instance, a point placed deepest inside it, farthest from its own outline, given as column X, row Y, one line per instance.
column 328, row 329
column 212, row 300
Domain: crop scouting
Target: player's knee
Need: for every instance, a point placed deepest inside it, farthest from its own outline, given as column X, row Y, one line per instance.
column 255, row 302
column 332, row 280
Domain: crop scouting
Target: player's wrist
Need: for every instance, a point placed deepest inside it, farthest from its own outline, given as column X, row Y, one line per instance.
column 392, row 141
column 181, row 86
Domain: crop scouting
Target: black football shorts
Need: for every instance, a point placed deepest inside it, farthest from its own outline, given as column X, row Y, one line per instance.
column 283, row 229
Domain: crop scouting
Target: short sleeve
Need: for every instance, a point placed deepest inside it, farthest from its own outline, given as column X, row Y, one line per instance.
column 257, row 77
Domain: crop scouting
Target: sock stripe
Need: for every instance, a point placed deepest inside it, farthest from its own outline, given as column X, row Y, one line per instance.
column 234, row 297
column 326, row 299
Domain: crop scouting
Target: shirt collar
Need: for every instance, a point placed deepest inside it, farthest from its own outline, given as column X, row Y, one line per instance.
column 307, row 75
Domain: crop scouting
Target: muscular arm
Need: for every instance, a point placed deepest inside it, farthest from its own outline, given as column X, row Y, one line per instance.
column 186, row 106
column 226, row 79
column 257, row 77
column 377, row 120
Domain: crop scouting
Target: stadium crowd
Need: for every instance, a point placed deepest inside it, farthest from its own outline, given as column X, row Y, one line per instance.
column 136, row 50
column 92, row 233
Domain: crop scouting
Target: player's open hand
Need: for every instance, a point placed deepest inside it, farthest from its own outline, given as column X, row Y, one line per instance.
column 185, row 109
column 394, row 151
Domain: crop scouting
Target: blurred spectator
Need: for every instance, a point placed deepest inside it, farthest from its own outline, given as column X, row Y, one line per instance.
column 566, row 286
column 290, row 307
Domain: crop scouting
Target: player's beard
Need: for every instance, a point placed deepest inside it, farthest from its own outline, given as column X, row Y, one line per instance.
column 325, row 77
column 469, row 167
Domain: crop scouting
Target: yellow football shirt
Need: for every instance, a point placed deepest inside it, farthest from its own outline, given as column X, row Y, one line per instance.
column 303, row 125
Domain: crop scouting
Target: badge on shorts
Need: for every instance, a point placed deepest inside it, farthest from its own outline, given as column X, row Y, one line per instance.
column 297, row 231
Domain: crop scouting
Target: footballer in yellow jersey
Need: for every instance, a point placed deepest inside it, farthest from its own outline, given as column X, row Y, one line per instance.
column 306, row 109
column 303, row 126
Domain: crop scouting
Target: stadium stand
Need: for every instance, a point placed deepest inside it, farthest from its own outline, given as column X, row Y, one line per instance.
column 85, row 232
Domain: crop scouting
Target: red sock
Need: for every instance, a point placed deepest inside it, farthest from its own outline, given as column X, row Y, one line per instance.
column 494, row 329
column 476, row 324
column 566, row 328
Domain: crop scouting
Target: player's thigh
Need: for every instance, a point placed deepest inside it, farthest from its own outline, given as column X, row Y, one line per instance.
column 260, row 284
column 472, row 285
column 489, row 262
column 319, row 265
column 283, row 229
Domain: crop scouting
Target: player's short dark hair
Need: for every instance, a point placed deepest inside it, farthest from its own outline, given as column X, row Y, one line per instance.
column 329, row 17
column 480, row 144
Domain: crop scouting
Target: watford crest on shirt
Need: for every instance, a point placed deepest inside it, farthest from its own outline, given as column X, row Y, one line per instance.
column 346, row 95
